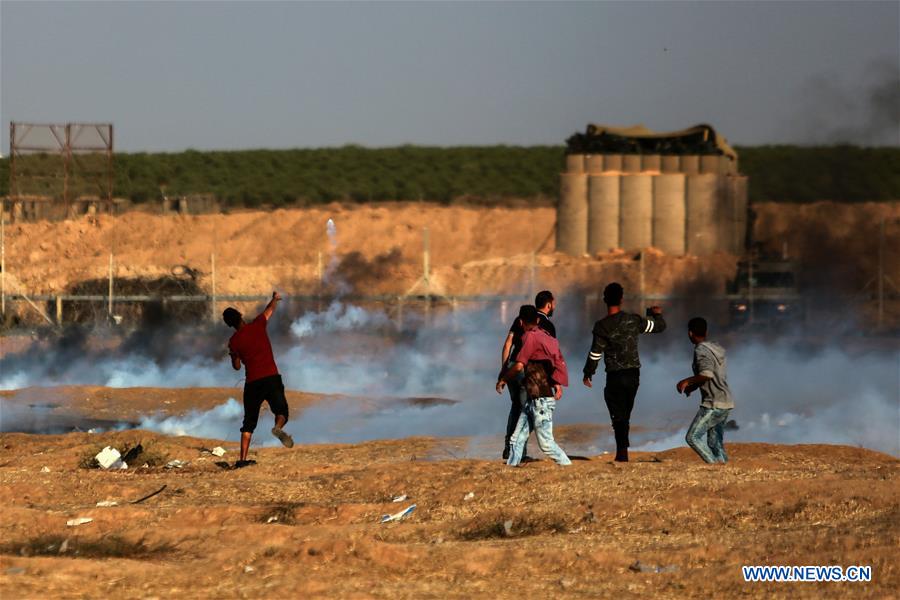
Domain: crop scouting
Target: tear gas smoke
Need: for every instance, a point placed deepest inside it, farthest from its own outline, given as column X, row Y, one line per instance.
column 205, row 424
column 337, row 318
column 341, row 287
column 783, row 394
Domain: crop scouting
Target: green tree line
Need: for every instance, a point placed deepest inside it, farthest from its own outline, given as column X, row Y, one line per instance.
column 483, row 174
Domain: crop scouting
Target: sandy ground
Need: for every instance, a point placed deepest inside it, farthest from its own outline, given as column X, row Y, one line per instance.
column 304, row 522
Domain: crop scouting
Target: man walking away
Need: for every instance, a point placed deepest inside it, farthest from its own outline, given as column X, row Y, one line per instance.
column 517, row 396
column 709, row 368
column 545, row 375
column 545, row 304
column 615, row 340
column 250, row 344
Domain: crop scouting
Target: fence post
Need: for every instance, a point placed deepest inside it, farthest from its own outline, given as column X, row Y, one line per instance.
column 110, row 306
column 641, row 274
column 426, row 259
column 750, row 286
column 3, row 257
column 59, row 313
column 881, row 275
column 454, row 308
column 426, row 273
column 319, row 276
column 532, row 275
column 212, row 259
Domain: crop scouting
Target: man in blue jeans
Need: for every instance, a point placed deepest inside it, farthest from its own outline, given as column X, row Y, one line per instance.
column 710, row 377
column 545, row 375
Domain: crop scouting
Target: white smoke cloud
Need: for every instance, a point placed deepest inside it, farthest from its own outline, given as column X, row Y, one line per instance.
column 221, row 422
column 783, row 395
column 138, row 371
column 338, row 317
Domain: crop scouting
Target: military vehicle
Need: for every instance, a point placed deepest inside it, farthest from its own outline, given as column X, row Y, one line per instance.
column 764, row 292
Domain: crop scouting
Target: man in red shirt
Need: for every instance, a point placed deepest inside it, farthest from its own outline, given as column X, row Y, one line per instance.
column 250, row 344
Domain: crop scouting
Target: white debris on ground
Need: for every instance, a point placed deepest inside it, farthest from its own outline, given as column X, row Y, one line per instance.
column 218, row 451
column 78, row 521
column 400, row 515
column 110, row 458
column 107, row 503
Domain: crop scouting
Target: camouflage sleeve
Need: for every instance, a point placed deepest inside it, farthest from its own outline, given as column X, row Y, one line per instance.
column 652, row 324
column 596, row 353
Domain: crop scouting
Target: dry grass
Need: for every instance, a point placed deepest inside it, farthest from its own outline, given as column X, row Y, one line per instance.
column 111, row 546
column 510, row 523
column 534, row 531
column 150, row 455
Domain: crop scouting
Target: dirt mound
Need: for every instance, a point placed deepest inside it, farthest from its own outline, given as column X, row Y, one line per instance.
column 378, row 249
column 262, row 249
column 837, row 244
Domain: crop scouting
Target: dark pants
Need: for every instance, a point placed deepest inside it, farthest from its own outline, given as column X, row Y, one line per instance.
column 517, row 398
column 619, row 393
column 269, row 389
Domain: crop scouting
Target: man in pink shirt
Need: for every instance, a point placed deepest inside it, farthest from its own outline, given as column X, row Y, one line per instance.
column 545, row 375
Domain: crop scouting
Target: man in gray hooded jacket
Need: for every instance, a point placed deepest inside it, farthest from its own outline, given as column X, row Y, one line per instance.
column 709, row 368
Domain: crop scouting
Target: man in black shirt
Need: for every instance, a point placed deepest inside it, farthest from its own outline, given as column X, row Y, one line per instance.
column 545, row 303
column 615, row 340
column 511, row 347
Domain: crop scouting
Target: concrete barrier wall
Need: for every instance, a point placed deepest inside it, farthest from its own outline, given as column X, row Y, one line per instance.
column 727, row 166
column 736, row 222
column 631, row 163
column 651, row 162
column 636, row 210
column 690, row 164
column 670, row 163
column 669, row 213
column 603, row 213
column 575, row 163
column 703, row 193
column 688, row 204
column 709, row 163
column 572, row 214
column 612, row 163
column 593, row 163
